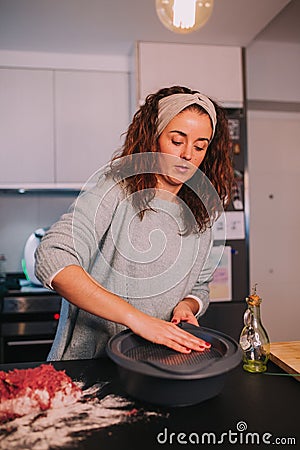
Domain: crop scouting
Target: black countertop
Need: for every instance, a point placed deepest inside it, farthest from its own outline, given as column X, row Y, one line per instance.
column 251, row 409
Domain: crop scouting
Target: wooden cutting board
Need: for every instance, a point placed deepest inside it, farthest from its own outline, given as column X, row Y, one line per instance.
column 287, row 356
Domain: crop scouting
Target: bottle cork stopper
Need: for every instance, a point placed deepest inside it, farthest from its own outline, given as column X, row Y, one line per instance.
column 254, row 299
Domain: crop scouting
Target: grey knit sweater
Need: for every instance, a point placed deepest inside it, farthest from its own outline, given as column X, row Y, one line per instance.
column 147, row 262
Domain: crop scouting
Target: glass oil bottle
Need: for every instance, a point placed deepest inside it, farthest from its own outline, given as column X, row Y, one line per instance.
column 254, row 340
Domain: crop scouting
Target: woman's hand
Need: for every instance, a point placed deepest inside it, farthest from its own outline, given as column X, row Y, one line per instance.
column 185, row 311
column 166, row 333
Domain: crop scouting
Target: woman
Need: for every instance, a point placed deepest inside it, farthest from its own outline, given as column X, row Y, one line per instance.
column 134, row 250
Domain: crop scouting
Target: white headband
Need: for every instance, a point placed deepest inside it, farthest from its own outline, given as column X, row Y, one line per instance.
column 170, row 106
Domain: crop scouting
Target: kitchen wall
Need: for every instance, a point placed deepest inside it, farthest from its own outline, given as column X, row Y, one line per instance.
column 20, row 215
column 273, row 73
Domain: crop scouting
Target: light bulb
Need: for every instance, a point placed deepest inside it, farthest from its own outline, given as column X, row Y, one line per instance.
column 184, row 16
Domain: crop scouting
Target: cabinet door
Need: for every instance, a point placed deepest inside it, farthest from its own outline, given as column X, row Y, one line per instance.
column 92, row 112
column 214, row 70
column 26, row 126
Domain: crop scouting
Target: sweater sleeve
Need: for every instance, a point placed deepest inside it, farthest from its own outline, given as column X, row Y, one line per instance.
column 74, row 239
column 201, row 287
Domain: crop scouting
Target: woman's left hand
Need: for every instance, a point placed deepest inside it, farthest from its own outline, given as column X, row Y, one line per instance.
column 183, row 312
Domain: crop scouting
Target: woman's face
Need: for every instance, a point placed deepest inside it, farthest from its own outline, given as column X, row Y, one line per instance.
column 183, row 145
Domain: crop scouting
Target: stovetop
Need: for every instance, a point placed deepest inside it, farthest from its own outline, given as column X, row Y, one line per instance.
column 19, row 297
column 17, row 284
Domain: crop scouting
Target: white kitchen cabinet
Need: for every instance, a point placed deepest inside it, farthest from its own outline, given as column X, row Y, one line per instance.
column 57, row 127
column 91, row 114
column 214, row 70
column 26, row 126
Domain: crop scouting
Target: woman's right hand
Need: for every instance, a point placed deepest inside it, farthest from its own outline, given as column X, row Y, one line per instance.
column 166, row 333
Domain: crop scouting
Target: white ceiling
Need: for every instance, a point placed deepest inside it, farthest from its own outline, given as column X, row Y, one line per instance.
column 112, row 26
column 285, row 27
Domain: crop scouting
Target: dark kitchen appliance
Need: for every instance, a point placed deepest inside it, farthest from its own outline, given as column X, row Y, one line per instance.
column 227, row 315
column 239, row 204
column 28, row 322
column 157, row 374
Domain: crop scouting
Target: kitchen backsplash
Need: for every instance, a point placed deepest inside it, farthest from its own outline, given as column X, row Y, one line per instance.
column 21, row 214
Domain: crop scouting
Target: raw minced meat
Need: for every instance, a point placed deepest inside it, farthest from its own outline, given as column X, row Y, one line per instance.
column 23, row 391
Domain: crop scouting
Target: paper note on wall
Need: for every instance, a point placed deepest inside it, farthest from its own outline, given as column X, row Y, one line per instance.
column 231, row 225
column 221, row 285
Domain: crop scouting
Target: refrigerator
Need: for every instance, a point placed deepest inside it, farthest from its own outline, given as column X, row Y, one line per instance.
column 230, row 286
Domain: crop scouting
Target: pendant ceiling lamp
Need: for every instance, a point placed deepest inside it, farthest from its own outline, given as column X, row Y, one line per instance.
column 184, row 16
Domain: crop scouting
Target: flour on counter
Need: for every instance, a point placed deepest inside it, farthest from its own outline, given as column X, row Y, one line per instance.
column 69, row 425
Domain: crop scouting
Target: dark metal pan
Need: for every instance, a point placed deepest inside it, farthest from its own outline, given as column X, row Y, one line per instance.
column 159, row 375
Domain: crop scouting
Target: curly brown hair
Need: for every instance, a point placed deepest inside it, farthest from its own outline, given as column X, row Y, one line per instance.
column 138, row 174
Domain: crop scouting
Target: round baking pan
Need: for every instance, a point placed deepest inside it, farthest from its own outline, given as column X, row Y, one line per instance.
column 157, row 374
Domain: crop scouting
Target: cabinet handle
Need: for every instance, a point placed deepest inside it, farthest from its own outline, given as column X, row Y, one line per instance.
column 41, row 342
